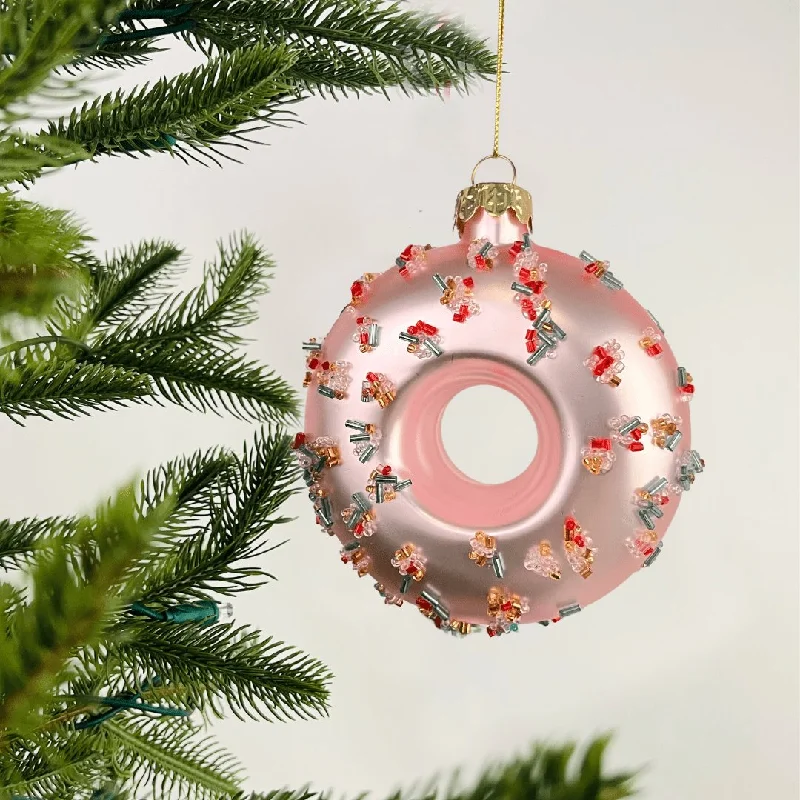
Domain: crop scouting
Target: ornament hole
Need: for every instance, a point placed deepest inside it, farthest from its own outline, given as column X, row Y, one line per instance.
column 489, row 434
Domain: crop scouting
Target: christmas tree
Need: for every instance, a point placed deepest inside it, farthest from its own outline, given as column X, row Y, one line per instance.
column 115, row 650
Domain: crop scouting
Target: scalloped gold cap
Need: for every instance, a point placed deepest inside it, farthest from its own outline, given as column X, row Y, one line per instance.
column 496, row 199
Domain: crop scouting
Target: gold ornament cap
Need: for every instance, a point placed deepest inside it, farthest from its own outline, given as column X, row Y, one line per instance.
column 494, row 198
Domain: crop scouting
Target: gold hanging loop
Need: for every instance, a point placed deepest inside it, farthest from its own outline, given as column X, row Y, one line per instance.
column 492, row 157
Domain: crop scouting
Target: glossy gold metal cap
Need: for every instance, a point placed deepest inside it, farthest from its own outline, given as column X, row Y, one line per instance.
column 494, row 198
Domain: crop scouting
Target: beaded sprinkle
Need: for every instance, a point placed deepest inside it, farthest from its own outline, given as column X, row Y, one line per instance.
column 541, row 560
column 504, row 608
column 627, row 432
column 543, row 338
column 379, row 388
column 578, row 547
column 651, row 343
column 599, row 269
column 481, row 255
column 359, row 288
column 388, row 598
column 423, row 340
column 368, row 334
column 457, row 296
column 665, row 431
column 643, row 544
column 410, row 563
column 649, row 500
column 597, row 456
column 605, row 363
column 355, row 555
column 410, row 261
column 483, row 548
column 331, row 377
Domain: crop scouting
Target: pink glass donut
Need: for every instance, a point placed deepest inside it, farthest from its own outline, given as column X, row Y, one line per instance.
column 598, row 378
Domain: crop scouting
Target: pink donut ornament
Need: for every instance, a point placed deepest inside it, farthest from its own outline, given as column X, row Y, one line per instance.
column 591, row 365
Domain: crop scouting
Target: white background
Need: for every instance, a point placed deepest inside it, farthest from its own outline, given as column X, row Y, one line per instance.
column 659, row 135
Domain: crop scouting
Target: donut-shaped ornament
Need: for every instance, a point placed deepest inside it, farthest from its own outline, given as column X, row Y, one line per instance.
column 591, row 365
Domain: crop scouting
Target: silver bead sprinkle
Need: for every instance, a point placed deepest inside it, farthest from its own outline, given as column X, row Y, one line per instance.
column 567, row 611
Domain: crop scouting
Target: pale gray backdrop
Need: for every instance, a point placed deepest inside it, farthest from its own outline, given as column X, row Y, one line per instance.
column 660, row 135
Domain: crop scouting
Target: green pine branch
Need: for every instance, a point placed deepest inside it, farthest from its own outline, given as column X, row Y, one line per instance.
column 185, row 344
column 217, row 103
column 50, row 767
column 545, row 773
column 20, row 539
column 203, row 379
column 130, row 283
column 170, row 755
column 114, row 55
column 12, row 599
column 68, row 389
column 209, row 314
column 128, row 339
column 396, row 46
column 190, row 481
column 38, row 37
column 222, row 666
column 40, row 257
column 241, row 511
column 73, row 595
column 24, row 157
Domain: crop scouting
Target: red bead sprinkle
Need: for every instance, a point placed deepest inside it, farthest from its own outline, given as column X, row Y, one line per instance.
column 636, row 447
column 537, row 286
column 505, row 606
column 387, row 470
column 424, row 605
column 579, row 540
column 406, row 254
column 600, row 444
column 530, row 334
column 458, row 317
column 648, row 551
column 299, row 440
column 654, row 350
column 591, row 268
column 359, row 528
column 515, row 249
column 313, row 363
column 363, row 338
column 530, row 346
column 412, row 569
column 602, row 365
column 524, row 274
column 491, row 632
column 688, row 389
column 412, row 329
column 430, row 330
column 326, row 365
column 372, row 377
column 636, row 434
column 345, row 559
column 469, row 282
column 600, row 352
column 356, row 289
column 480, row 261
column 570, row 524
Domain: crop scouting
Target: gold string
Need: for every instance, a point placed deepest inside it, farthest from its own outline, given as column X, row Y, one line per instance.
column 501, row 15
